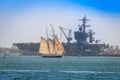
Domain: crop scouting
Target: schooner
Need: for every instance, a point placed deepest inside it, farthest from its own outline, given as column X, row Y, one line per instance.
column 51, row 48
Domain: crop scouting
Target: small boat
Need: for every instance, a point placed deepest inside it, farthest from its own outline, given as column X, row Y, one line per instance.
column 51, row 48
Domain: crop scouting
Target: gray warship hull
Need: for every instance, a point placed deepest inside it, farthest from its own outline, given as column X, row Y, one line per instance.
column 71, row 49
column 85, row 44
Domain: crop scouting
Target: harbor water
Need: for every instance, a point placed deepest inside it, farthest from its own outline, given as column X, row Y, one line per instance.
column 65, row 68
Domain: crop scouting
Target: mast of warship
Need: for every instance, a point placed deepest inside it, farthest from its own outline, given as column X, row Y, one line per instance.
column 84, row 40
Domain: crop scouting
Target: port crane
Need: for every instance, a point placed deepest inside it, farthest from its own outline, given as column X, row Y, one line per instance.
column 68, row 37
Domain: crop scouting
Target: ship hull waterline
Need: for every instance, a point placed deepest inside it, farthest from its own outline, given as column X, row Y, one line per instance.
column 52, row 56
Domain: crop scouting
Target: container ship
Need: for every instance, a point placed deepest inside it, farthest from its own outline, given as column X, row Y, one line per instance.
column 84, row 45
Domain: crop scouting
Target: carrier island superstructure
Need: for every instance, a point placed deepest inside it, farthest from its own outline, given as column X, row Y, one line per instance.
column 84, row 45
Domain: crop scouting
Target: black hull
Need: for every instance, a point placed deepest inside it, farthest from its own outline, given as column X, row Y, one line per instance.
column 57, row 56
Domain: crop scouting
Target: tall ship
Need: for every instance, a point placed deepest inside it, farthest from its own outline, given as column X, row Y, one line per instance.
column 84, row 45
column 51, row 48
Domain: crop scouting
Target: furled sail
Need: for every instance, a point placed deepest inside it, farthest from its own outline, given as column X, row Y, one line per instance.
column 43, row 47
column 58, row 46
column 51, row 47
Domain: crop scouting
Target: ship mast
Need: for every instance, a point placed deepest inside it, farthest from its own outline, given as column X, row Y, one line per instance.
column 53, row 34
column 47, row 40
column 46, row 33
column 84, row 21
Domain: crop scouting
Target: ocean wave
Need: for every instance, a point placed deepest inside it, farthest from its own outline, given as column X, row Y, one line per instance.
column 6, row 70
column 81, row 72
column 87, row 72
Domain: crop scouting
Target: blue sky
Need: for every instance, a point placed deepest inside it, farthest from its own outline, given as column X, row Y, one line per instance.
column 102, row 5
column 25, row 20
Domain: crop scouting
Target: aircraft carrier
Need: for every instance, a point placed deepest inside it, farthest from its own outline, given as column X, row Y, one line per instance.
column 84, row 45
